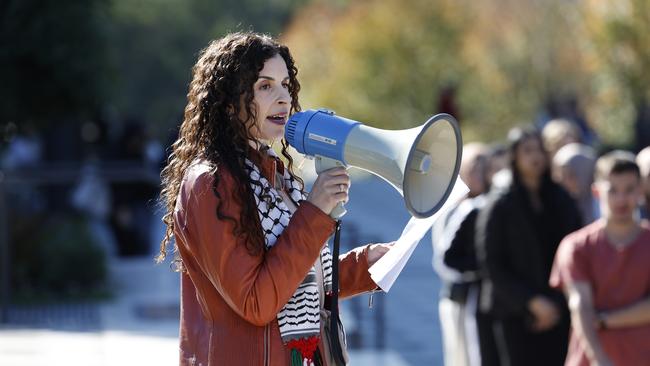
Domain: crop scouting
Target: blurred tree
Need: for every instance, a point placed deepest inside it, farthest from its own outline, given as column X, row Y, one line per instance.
column 394, row 63
column 507, row 61
column 81, row 58
column 377, row 61
column 53, row 61
column 526, row 59
column 156, row 42
column 63, row 261
column 619, row 32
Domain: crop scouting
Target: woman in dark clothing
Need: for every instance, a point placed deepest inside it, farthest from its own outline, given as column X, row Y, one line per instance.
column 517, row 235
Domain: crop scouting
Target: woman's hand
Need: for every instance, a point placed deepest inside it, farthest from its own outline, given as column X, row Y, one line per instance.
column 546, row 313
column 330, row 188
column 377, row 251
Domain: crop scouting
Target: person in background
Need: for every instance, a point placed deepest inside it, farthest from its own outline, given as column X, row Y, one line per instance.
column 517, row 235
column 643, row 161
column 557, row 133
column 130, row 215
column 454, row 261
column 573, row 169
column 604, row 269
column 498, row 172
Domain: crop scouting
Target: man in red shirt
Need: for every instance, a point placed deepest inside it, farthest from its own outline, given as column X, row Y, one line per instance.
column 604, row 270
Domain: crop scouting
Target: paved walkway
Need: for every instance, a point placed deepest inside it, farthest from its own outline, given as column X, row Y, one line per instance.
column 140, row 327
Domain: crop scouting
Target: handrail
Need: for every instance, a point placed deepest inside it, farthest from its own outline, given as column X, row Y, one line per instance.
column 65, row 173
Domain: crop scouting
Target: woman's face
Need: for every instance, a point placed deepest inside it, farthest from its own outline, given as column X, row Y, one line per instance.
column 272, row 100
column 530, row 158
column 473, row 174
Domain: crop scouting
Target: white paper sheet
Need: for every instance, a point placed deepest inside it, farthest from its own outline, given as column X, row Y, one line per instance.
column 386, row 270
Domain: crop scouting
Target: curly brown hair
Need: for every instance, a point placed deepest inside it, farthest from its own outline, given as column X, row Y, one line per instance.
column 221, row 92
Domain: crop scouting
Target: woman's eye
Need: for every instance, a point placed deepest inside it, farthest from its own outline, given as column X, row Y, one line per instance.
column 285, row 85
column 265, row 87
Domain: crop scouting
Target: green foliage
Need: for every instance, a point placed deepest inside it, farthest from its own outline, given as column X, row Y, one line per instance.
column 386, row 62
column 59, row 260
column 376, row 61
column 382, row 61
column 79, row 58
column 626, row 46
column 617, row 35
column 53, row 61
column 156, row 42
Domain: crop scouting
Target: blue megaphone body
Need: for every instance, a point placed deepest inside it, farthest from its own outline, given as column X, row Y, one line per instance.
column 422, row 163
column 326, row 136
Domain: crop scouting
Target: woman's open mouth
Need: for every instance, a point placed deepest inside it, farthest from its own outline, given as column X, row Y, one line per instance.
column 278, row 119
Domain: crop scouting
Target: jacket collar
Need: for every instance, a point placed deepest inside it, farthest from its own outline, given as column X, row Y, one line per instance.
column 267, row 162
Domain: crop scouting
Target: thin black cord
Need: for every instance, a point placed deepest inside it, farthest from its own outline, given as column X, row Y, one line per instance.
column 337, row 351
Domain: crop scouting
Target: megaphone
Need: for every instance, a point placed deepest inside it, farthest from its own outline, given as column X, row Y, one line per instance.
column 422, row 163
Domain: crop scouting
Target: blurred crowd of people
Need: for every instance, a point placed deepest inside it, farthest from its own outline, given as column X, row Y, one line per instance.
column 99, row 166
column 547, row 259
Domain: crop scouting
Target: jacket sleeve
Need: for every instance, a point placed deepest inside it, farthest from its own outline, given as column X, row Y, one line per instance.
column 354, row 277
column 255, row 287
column 461, row 254
column 492, row 251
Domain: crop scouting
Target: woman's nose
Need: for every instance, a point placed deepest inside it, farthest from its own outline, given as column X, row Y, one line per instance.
column 284, row 97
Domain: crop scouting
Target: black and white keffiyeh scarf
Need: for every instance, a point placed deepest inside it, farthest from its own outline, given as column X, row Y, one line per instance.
column 299, row 319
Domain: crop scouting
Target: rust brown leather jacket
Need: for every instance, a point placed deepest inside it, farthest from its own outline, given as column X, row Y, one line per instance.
column 229, row 298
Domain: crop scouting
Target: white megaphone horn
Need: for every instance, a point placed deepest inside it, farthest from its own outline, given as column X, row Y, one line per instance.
column 422, row 163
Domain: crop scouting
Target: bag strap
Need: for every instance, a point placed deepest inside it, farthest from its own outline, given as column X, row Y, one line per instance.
column 337, row 351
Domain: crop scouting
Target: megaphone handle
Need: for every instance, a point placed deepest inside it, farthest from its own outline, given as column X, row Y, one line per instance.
column 322, row 163
column 338, row 211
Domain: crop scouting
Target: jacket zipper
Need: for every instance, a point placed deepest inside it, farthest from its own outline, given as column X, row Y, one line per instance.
column 267, row 330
